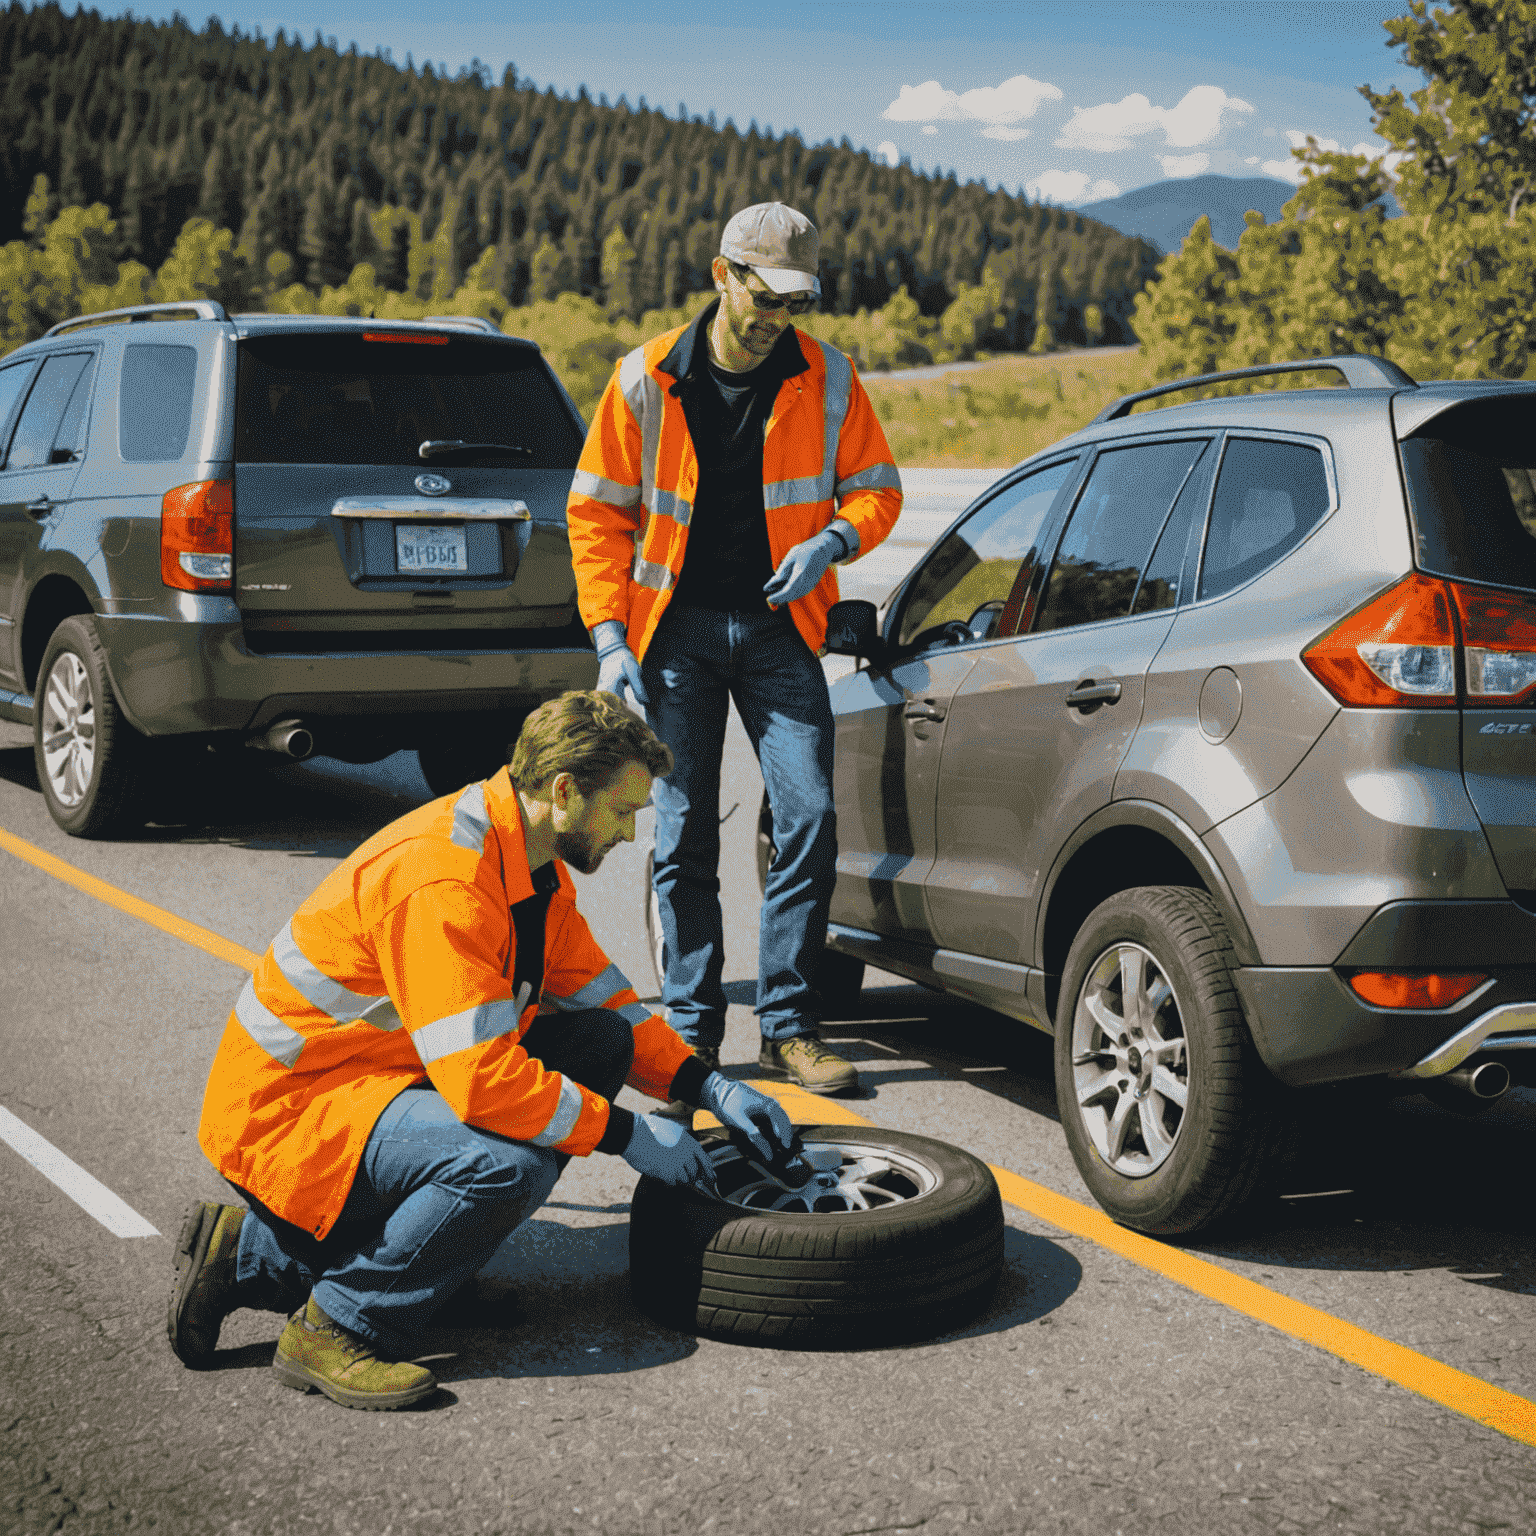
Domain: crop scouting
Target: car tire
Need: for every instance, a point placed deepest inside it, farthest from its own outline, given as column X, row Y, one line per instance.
column 924, row 1258
column 1152, row 1162
column 89, row 759
column 450, row 765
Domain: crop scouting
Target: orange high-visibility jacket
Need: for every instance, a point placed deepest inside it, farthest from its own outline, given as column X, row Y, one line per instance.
column 398, row 970
column 824, row 457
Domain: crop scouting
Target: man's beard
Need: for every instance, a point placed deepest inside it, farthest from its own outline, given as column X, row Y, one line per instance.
column 579, row 851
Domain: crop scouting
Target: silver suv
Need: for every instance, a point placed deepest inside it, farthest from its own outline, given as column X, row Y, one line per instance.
column 1204, row 741
column 299, row 533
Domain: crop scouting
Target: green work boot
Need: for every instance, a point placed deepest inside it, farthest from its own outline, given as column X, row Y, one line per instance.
column 318, row 1355
column 204, row 1292
column 676, row 1109
column 816, row 1067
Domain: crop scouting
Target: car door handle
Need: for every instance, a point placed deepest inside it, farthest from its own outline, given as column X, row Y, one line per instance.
column 924, row 711
column 1089, row 693
column 39, row 508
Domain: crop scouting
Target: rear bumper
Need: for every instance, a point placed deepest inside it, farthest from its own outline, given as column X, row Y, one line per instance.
column 181, row 676
column 1310, row 1027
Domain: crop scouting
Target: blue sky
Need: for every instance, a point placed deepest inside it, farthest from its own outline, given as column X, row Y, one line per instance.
column 1070, row 103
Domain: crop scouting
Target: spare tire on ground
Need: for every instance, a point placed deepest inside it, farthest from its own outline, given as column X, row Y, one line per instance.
column 900, row 1238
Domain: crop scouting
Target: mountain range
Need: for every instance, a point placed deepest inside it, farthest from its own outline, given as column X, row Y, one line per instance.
column 1165, row 211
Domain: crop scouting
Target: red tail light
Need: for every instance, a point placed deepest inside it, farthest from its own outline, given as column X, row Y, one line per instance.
column 410, row 338
column 1499, row 633
column 1398, row 650
column 197, row 536
column 1406, row 989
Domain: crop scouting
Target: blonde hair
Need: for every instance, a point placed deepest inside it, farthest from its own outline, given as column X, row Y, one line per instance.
column 590, row 736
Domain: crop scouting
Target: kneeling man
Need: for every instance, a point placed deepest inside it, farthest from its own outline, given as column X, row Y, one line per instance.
column 421, row 1050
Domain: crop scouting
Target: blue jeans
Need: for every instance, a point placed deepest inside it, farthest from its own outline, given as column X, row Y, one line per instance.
column 697, row 662
column 433, row 1199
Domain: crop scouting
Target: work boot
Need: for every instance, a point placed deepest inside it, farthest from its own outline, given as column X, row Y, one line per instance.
column 676, row 1109
column 318, row 1355
column 816, row 1067
column 204, row 1291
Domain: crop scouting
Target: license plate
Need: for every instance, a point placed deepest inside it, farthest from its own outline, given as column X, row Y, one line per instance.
column 431, row 549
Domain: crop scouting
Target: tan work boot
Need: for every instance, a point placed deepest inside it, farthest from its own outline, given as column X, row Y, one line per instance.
column 677, row 1109
column 318, row 1355
column 203, row 1292
column 816, row 1067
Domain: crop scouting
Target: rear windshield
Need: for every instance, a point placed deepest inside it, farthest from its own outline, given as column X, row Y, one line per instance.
column 1471, row 476
column 338, row 399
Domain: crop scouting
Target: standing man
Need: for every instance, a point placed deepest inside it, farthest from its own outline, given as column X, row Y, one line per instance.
column 419, row 1053
column 731, row 463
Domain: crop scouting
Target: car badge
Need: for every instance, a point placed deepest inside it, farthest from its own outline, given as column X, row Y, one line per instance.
column 433, row 485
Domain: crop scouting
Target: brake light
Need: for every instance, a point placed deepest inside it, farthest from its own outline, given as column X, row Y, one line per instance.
column 1400, row 649
column 413, row 338
column 1405, row 989
column 197, row 536
column 1499, row 632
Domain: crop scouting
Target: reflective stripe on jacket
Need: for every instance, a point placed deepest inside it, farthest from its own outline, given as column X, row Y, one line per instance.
column 398, row 970
column 824, row 457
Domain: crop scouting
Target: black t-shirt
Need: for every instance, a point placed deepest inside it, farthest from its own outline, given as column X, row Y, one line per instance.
column 727, row 560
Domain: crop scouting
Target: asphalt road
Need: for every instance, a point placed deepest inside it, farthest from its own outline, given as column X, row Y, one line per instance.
column 1097, row 1395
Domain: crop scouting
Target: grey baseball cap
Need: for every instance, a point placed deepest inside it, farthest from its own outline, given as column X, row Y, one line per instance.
column 779, row 243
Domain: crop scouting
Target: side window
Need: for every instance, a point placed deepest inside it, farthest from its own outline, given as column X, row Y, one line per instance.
column 1109, row 539
column 970, row 577
column 12, row 381
column 1165, row 570
column 43, row 414
column 69, row 443
column 155, row 402
column 1269, row 497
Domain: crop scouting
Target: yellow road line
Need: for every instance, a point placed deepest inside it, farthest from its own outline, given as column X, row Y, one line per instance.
column 158, row 917
column 1469, row 1396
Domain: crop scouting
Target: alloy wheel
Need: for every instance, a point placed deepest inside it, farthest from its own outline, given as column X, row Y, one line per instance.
column 1130, row 1060
column 69, row 730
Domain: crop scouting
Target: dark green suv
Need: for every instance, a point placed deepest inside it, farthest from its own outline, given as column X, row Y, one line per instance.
column 305, row 534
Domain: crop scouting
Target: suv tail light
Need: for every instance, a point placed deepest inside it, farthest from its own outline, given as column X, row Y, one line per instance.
column 197, row 534
column 1413, row 989
column 1399, row 649
column 1498, row 630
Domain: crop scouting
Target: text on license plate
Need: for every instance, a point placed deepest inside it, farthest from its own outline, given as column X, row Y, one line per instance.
column 436, row 547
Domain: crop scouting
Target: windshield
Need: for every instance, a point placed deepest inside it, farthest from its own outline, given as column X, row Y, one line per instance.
column 1471, row 475
column 342, row 399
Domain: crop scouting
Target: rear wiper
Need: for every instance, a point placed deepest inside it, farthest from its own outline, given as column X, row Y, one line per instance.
column 440, row 447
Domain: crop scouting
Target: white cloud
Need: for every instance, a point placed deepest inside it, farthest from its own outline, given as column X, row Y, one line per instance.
column 888, row 152
column 1183, row 165
column 1251, row 160
column 999, row 106
column 929, row 128
column 1008, row 135
column 1198, row 118
column 1293, row 171
column 1069, row 187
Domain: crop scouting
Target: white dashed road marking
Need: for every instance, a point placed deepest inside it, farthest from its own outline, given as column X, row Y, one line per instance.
column 90, row 1194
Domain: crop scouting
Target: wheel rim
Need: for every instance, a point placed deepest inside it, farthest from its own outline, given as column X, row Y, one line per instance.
column 1130, row 1060
column 858, row 1177
column 69, row 730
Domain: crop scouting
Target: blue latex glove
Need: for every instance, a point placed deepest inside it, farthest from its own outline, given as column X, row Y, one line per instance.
column 663, row 1149
column 745, row 1109
column 617, row 668
column 803, row 567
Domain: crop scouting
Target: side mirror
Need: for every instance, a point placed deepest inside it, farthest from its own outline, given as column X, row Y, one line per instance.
column 852, row 630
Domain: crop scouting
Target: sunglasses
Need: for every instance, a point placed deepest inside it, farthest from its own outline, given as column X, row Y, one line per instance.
column 800, row 304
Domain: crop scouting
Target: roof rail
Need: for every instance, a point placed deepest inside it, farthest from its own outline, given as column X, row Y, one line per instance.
column 204, row 309
column 1360, row 371
column 478, row 322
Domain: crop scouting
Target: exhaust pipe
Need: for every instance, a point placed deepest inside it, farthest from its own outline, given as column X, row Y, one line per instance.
column 288, row 738
column 1486, row 1080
